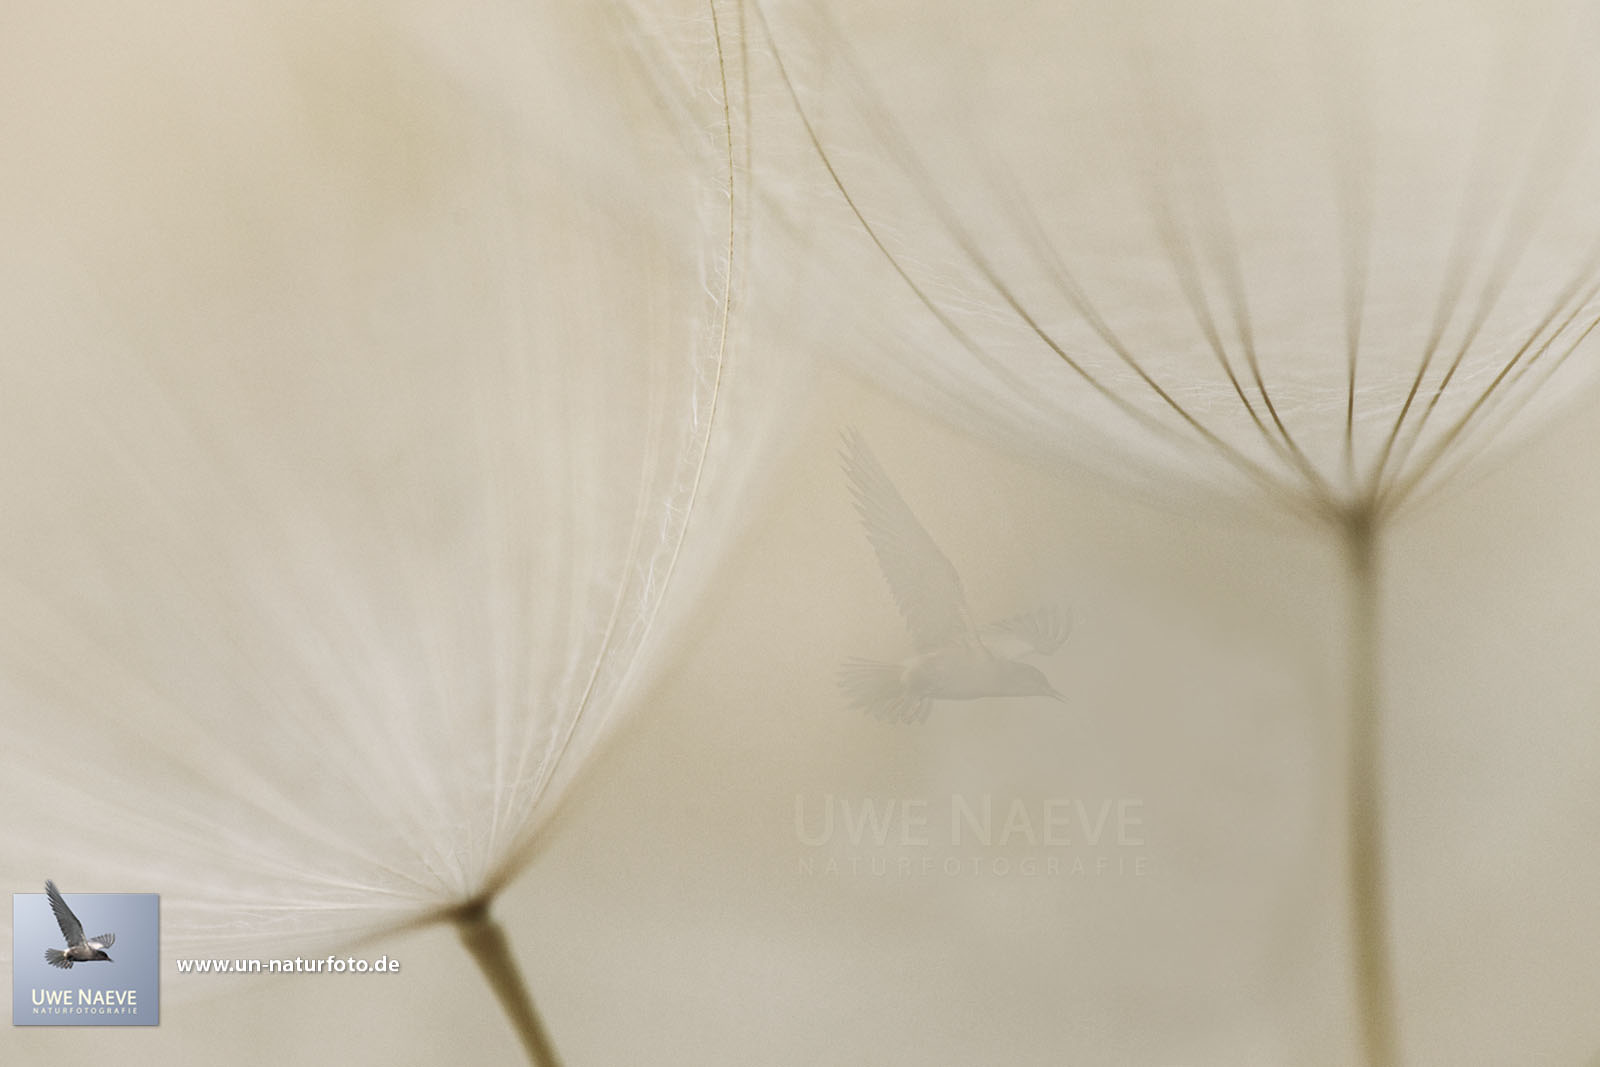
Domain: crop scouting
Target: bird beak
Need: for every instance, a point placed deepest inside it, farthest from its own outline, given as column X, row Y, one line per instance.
column 1057, row 695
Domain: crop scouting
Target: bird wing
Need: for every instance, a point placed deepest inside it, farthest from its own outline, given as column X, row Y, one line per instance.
column 103, row 940
column 1043, row 630
column 71, row 928
column 924, row 584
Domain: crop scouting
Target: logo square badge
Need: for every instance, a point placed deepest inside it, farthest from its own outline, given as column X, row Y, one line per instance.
column 85, row 959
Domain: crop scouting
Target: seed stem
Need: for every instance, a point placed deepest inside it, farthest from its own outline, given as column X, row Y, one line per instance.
column 1369, row 918
column 486, row 940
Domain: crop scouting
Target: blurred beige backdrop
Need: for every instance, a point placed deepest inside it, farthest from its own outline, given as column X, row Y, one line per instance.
column 681, row 915
column 672, row 919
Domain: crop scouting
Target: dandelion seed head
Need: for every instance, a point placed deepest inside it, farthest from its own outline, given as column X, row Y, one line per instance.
column 1323, row 253
column 356, row 420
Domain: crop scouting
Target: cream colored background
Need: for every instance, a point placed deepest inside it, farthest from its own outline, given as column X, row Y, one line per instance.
column 667, row 923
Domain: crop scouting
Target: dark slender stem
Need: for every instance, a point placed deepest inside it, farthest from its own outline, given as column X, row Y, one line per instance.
column 1369, row 918
column 486, row 941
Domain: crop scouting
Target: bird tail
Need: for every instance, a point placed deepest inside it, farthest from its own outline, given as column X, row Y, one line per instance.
column 879, row 689
column 56, row 958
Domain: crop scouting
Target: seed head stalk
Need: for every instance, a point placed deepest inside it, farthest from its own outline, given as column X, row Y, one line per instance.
column 485, row 940
column 482, row 935
column 1368, row 888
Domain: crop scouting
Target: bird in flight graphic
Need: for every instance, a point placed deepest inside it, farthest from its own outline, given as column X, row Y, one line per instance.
column 80, row 949
column 953, row 659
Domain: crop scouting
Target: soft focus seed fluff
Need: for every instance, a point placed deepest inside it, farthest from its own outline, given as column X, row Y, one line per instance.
column 365, row 370
column 1331, row 253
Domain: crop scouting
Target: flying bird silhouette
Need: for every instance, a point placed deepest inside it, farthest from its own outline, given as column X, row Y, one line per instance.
column 953, row 659
column 80, row 949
